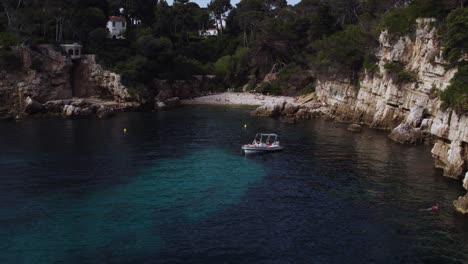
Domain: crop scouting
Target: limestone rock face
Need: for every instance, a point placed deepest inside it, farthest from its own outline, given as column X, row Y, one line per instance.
column 408, row 109
column 451, row 157
column 406, row 134
column 461, row 204
column 382, row 103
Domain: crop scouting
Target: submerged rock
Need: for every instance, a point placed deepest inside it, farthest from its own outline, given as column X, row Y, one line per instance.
column 461, row 204
column 406, row 134
column 354, row 128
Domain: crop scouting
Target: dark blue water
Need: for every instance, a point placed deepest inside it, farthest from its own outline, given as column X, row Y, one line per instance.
column 175, row 189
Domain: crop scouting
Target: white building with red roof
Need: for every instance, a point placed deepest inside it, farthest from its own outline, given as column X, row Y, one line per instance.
column 116, row 26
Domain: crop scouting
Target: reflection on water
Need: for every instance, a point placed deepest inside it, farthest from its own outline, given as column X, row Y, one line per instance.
column 175, row 188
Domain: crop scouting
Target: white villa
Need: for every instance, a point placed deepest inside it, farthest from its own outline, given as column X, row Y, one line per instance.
column 208, row 32
column 214, row 30
column 116, row 26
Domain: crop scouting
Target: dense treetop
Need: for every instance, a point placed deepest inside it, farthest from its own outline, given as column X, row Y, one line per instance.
column 312, row 38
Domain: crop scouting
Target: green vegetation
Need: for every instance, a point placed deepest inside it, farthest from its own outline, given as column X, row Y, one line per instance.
column 456, row 36
column 400, row 74
column 343, row 52
column 313, row 38
column 456, row 94
column 401, row 21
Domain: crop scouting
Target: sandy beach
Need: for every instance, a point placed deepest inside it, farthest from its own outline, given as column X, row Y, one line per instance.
column 229, row 98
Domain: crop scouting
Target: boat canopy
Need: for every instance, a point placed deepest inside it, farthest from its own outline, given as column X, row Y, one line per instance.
column 266, row 138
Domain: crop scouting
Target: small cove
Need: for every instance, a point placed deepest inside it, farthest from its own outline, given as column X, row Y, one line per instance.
column 175, row 188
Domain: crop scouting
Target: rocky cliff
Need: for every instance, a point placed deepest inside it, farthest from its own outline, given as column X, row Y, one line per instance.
column 91, row 80
column 45, row 76
column 384, row 103
column 50, row 82
column 411, row 109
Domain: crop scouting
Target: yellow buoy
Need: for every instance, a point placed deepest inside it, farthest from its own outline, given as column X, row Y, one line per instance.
column 125, row 130
column 245, row 125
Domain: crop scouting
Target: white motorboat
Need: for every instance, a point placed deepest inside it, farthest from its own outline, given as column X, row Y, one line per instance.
column 263, row 143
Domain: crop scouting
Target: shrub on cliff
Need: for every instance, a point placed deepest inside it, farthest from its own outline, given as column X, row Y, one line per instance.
column 456, row 36
column 399, row 73
column 134, row 71
column 343, row 52
column 223, row 67
column 456, row 94
column 402, row 20
column 399, row 21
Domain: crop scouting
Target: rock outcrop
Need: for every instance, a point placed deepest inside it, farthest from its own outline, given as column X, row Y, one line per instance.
column 49, row 82
column 44, row 76
column 461, row 204
column 33, row 107
column 410, row 109
column 406, row 134
column 92, row 80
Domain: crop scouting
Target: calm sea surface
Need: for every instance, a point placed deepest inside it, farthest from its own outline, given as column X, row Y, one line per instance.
column 176, row 189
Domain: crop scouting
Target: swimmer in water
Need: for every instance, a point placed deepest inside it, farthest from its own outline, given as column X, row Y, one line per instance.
column 433, row 208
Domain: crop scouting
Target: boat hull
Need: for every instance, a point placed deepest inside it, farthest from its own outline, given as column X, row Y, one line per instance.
column 249, row 150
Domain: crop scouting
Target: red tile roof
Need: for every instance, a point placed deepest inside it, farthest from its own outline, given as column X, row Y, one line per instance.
column 116, row 18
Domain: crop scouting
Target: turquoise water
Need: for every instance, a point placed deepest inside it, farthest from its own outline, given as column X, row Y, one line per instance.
column 175, row 189
column 184, row 189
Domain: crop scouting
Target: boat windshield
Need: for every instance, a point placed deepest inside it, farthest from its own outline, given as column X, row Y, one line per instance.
column 265, row 138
